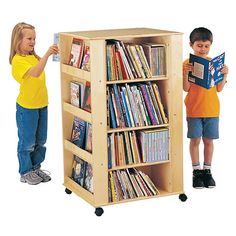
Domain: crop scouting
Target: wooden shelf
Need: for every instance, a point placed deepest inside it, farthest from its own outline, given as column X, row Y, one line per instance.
column 156, row 78
column 75, row 72
column 136, row 128
column 139, row 165
column 78, row 151
column 84, row 115
column 80, row 191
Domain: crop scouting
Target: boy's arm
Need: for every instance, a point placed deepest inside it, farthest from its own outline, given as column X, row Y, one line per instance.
column 186, row 68
column 221, row 85
column 38, row 69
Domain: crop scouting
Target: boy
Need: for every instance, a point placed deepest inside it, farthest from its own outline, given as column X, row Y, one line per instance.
column 203, row 109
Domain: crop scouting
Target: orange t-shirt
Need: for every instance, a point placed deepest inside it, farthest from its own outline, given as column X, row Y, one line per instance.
column 201, row 102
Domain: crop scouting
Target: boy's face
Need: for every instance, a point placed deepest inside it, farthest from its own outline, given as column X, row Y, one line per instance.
column 201, row 48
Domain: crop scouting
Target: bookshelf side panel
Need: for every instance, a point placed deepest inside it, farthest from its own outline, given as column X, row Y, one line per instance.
column 176, row 113
column 99, row 121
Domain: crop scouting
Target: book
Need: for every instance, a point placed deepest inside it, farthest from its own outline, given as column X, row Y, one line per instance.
column 56, row 57
column 82, row 173
column 79, row 170
column 88, row 137
column 87, row 97
column 75, row 93
column 78, row 132
column 85, row 65
column 156, row 58
column 206, row 73
column 76, row 52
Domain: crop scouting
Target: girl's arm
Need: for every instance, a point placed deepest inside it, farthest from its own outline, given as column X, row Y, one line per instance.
column 186, row 68
column 221, row 85
column 38, row 69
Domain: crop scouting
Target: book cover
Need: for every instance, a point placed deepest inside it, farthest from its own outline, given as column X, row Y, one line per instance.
column 88, row 180
column 75, row 93
column 56, row 57
column 206, row 73
column 79, row 171
column 85, row 65
column 88, row 138
column 87, row 97
column 78, row 132
column 76, row 52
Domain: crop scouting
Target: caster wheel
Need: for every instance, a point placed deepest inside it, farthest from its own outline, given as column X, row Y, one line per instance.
column 68, row 191
column 183, row 197
column 99, row 211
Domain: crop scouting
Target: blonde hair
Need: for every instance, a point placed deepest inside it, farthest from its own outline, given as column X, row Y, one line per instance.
column 16, row 39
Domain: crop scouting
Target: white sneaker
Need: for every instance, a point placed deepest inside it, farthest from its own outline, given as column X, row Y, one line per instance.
column 31, row 178
column 43, row 175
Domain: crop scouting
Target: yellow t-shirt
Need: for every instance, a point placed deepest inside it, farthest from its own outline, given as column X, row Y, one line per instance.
column 201, row 102
column 33, row 90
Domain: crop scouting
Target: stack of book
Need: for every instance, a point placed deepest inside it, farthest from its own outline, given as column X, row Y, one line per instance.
column 135, row 105
column 133, row 61
column 128, row 184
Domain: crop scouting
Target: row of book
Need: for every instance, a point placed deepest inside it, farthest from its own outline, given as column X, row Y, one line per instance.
column 82, row 173
column 124, row 60
column 133, row 147
column 123, row 149
column 79, row 55
column 135, row 105
column 81, row 134
column 154, row 145
column 80, row 95
column 127, row 61
column 128, row 184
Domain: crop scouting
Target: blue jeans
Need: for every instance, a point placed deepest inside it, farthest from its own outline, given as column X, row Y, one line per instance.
column 32, row 134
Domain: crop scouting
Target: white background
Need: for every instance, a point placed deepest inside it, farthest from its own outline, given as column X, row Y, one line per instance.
column 45, row 209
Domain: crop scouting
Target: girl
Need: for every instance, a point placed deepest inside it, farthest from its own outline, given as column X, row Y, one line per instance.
column 31, row 104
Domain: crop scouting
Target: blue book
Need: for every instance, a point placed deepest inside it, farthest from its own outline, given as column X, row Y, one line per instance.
column 206, row 73
column 56, row 57
column 78, row 132
column 79, row 170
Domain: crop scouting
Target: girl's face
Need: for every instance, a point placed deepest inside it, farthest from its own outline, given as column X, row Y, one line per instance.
column 28, row 41
column 201, row 48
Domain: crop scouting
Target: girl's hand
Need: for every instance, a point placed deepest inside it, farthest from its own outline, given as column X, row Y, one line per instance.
column 52, row 50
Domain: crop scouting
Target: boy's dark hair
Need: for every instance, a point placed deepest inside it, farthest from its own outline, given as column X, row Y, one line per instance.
column 201, row 33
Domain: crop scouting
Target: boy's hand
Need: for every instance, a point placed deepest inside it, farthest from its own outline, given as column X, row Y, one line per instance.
column 225, row 70
column 187, row 68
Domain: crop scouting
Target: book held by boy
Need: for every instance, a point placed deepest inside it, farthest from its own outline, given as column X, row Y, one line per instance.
column 206, row 73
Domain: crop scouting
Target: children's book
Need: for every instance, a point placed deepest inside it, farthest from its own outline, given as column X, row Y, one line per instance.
column 76, row 52
column 206, row 73
column 75, row 93
column 85, row 65
column 78, row 132
column 79, row 170
column 56, row 57
column 87, row 97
